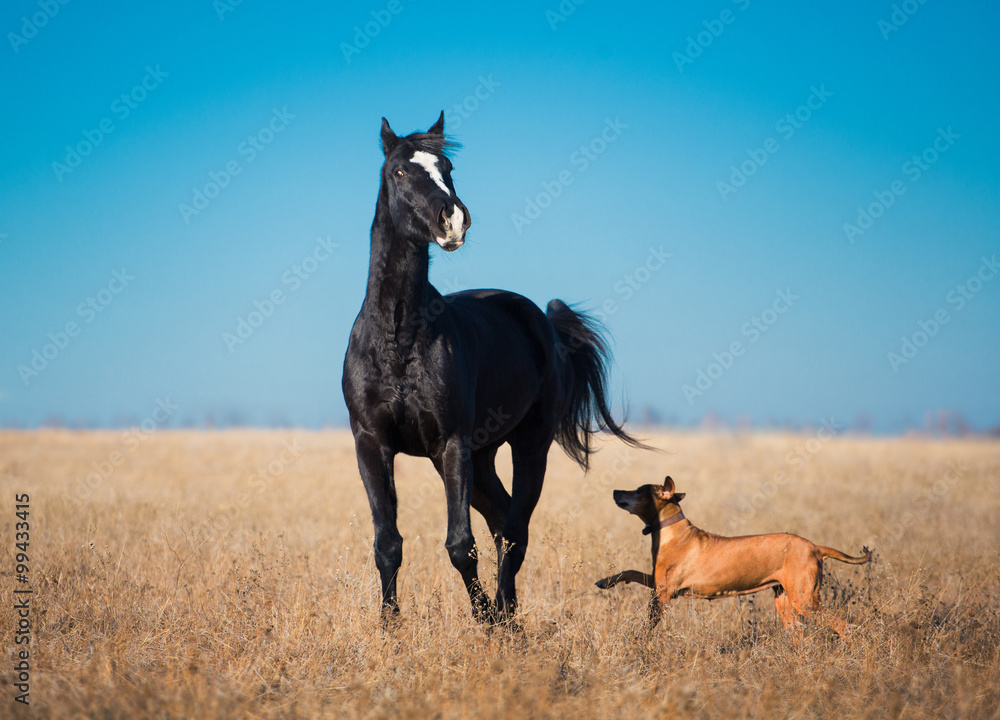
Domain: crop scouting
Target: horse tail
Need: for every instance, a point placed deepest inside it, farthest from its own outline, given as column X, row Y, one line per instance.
column 586, row 411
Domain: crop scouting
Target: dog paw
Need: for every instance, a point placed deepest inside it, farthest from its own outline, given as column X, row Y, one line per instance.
column 603, row 583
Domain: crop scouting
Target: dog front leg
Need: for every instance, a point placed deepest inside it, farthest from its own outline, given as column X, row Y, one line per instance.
column 655, row 611
column 626, row 576
column 663, row 593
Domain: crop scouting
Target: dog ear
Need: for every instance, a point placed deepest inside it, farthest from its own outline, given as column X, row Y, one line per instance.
column 678, row 497
column 668, row 485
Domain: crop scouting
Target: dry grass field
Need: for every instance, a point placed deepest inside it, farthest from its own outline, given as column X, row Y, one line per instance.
column 230, row 575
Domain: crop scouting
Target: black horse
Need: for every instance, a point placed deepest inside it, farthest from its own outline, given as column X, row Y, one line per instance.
column 452, row 378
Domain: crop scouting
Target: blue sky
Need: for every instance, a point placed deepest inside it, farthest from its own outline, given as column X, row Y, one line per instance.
column 697, row 166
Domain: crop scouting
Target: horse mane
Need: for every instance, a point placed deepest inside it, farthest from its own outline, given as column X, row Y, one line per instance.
column 436, row 144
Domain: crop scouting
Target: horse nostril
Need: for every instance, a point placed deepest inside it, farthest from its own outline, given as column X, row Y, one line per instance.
column 443, row 219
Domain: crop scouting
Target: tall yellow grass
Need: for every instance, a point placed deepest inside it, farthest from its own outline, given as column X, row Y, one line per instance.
column 189, row 583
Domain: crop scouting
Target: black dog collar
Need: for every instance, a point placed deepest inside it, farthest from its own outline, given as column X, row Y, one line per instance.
column 664, row 523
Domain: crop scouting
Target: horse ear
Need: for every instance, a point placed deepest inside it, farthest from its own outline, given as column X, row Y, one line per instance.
column 388, row 137
column 668, row 485
column 438, row 127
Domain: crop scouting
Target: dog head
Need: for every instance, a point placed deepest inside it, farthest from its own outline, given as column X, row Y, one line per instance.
column 649, row 502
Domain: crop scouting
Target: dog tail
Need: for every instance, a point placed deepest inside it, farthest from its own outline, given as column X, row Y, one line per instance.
column 583, row 351
column 828, row 552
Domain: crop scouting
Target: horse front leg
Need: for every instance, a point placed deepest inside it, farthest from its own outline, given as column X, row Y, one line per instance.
column 375, row 461
column 455, row 466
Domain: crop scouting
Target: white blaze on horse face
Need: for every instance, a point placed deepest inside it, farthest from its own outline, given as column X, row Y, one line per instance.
column 429, row 163
column 456, row 220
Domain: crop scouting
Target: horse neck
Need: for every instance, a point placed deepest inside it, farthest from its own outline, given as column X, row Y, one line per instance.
column 397, row 271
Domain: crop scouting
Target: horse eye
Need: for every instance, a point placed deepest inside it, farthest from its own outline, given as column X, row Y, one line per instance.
column 399, row 172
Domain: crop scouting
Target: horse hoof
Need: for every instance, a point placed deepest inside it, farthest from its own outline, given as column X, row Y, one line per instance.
column 504, row 615
column 390, row 616
column 484, row 612
column 509, row 624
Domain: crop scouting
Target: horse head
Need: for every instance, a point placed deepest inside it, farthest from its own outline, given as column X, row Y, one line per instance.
column 421, row 196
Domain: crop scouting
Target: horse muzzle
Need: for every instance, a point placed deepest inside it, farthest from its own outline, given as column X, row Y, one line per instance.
column 452, row 222
column 450, row 245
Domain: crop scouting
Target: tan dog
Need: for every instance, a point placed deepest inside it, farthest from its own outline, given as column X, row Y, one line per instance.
column 689, row 561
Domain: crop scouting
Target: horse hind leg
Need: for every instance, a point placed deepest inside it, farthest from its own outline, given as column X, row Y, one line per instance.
column 529, row 473
column 455, row 467
column 489, row 496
